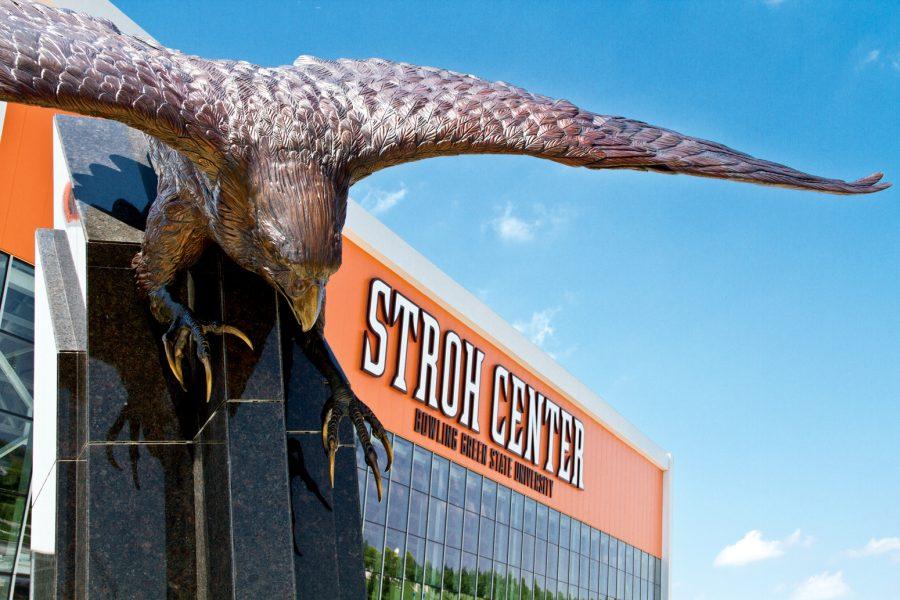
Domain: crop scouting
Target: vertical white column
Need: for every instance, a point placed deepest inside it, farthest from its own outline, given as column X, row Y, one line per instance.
column 43, row 446
column 667, row 530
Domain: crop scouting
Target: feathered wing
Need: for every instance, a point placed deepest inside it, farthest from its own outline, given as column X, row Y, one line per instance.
column 62, row 59
column 401, row 113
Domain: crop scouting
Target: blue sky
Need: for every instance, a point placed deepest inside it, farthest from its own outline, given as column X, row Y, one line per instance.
column 752, row 332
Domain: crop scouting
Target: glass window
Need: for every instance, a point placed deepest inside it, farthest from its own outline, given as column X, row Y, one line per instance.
column 468, row 576
column 18, row 308
column 574, row 566
column 499, row 580
column 553, row 529
column 594, row 576
column 486, row 537
column 437, row 519
column 622, row 554
column 375, row 510
column 565, row 530
column 513, row 587
column 629, row 586
column 540, row 529
column 457, row 494
column 528, row 523
column 485, row 575
column 415, row 559
column 402, row 460
column 604, row 579
column 584, row 571
column 515, row 514
column 585, row 546
column 503, row 494
column 394, row 551
column 575, row 536
column 421, row 469
column 629, row 559
column 454, row 526
column 470, row 533
column 645, row 565
column 539, row 587
column 398, row 503
column 451, row 572
column 434, row 563
column 16, row 384
column 540, row 556
column 373, row 537
column 527, row 552
column 501, row 542
column 562, row 572
column 473, row 491
column 440, row 469
column 515, row 547
column 488, row 498
column 418, row 513
column 604, row 548
column 552, row 561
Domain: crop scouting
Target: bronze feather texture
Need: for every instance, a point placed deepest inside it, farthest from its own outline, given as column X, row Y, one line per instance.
column 260, row 160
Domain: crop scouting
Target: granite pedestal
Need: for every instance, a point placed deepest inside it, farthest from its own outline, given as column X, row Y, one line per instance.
column 153, row 492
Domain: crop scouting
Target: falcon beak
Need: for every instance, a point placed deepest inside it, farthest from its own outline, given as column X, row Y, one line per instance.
column 308, row 305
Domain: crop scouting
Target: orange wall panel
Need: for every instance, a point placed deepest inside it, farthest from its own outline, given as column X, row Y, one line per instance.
column 26, row 177
column 623, row 492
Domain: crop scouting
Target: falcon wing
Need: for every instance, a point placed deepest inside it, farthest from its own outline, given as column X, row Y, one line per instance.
column 62, row 59
column 399, row 113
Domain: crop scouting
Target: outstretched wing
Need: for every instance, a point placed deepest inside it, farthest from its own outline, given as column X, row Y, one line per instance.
column 71, row 61
column 399, row 113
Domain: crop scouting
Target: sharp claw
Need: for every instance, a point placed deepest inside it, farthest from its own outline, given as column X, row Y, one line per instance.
column 387, row 449
column 238, row 334
column 208, row 368
column 331, row 454
column 372, row 460
column 171, row 360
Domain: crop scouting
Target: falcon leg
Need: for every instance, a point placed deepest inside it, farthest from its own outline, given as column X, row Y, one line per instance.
column 344, row 403
column 173, row 240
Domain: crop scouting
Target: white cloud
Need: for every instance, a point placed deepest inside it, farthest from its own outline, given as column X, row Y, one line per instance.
column 378, row 201
column 871, row 56
column 513, row 229
column 753, row 548
column 539, row 327
column 824, row 586
column 773, row 2
column 876, row 547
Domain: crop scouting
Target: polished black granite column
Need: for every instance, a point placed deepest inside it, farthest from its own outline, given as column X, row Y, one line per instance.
column 175, row 497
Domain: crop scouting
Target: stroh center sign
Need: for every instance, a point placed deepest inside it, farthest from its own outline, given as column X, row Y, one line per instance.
column 545, row 440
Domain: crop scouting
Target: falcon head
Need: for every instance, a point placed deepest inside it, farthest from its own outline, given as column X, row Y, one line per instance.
column 296, row 243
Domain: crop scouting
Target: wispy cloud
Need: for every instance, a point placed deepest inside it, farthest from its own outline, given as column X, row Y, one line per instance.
column 513, row 229
column 871, row 56
column 754, row 548
column 510, row 227
column 824, row 586
column 888, row 545
column 539, row 327
column 378, row 201
column 878, row 58
column 773, row 2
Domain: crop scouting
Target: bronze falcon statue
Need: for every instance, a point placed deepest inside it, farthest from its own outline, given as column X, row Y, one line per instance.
column 259, row 160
